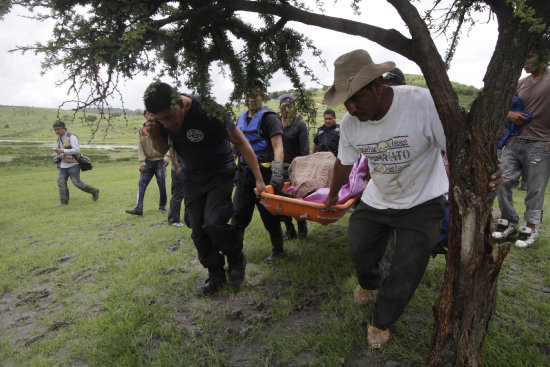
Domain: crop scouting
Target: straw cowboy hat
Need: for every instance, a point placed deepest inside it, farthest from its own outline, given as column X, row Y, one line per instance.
column 352, row 71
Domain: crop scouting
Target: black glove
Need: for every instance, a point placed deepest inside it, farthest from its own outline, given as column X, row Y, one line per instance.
column 277, row 176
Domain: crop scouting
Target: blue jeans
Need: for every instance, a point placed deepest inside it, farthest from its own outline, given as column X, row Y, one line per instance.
column 157, row 169
column 63, row 175
column 534, row 158
column 177, row 196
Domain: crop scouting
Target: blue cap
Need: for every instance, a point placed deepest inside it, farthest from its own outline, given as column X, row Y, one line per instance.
column 286, row 97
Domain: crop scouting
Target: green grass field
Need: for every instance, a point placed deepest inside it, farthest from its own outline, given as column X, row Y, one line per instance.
column 88, row 285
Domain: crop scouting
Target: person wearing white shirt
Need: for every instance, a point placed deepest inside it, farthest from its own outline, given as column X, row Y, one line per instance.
column 68, row 149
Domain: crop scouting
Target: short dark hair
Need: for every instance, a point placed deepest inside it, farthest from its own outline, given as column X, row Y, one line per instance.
column 160, row 96
column 329, row 112
column 542, row 50
column 59, row 125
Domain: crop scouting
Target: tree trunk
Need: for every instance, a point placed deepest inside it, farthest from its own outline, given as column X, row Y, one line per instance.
column 464, row 309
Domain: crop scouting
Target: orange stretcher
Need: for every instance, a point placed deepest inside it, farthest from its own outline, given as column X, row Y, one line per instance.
column 302, row 210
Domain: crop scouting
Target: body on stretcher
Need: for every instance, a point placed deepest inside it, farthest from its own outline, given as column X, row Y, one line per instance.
column 301, row 209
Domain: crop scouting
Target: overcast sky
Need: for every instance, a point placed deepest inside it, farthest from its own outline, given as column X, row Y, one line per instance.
column 23, row 85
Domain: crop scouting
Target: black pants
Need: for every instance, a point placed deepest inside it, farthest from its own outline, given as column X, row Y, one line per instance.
column 177, row 196
column 208, row 207
column 417, row 232
column 244, row 201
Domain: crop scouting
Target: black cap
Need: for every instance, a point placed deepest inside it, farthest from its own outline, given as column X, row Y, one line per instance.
column 394, row 76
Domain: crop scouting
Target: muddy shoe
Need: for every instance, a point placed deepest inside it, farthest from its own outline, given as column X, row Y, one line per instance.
column 362, row 296
column 377, row 338
column 527, row 236
column 504, row 230
column 276, row 254
column 237, row 272
column 95, row 195
column 134, row 211
column 216, row 280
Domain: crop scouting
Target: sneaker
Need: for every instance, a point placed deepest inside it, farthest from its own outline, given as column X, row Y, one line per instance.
column 177, row 224
column 527, row 236
column 377, row 338
column 362, row 296
column 95, row 195
column 162, row 210
column 504, row 230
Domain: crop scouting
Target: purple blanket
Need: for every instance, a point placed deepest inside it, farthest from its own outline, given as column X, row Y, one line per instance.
column 354, row 187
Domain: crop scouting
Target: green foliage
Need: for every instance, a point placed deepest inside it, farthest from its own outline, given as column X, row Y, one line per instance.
column 118, row 39
column 528, row 15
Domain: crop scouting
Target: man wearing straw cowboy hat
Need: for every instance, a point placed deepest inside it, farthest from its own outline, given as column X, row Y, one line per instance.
column 399, row 131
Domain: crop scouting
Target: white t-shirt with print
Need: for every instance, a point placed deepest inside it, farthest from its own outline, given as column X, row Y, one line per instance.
column 403, row 148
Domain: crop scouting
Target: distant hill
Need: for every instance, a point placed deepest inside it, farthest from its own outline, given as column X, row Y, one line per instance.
column 35, row 124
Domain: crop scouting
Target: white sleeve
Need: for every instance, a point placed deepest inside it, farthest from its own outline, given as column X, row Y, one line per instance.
column 347, row 153
column 436, row 126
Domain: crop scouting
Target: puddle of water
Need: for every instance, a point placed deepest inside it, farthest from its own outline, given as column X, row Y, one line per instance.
column 85, row 146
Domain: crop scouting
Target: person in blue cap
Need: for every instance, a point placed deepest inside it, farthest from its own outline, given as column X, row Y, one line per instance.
column 295, row 144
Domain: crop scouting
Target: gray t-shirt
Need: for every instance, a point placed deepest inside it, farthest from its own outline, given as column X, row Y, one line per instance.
column 535, row 97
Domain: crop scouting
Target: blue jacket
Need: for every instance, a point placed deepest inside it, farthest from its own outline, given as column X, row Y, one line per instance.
column 513, row 129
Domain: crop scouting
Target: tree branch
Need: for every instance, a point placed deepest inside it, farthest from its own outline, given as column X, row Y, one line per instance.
column 388, row 38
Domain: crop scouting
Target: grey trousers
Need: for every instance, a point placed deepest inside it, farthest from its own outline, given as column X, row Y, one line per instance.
column 74, row 173
column 534, row 158
column 417, row 231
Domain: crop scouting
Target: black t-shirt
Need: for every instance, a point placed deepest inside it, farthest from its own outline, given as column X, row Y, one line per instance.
column 327, row 139
column 295, row 140
column 202, row 140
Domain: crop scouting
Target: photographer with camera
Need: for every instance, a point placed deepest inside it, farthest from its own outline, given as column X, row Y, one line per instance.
column 68, row 149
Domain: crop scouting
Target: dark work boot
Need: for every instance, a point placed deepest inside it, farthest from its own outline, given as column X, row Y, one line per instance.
column 302, row 229
column 276, row 254
column 135, row 211
column 216, row 280
column 290, row 232
column 277, row 251
column 236, row 270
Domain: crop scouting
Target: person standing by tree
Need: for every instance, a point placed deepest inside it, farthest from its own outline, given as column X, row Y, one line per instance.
column 327, row 137
column 529, row 151
column 263, row 130
column 201, row 139
column 151, row 163
column 399, row 131
column 68, row 149
column 295, row 144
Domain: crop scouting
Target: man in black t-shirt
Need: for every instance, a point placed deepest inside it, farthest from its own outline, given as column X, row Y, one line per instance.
column 328, row 135
column 201, row 139
column 264, row 131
